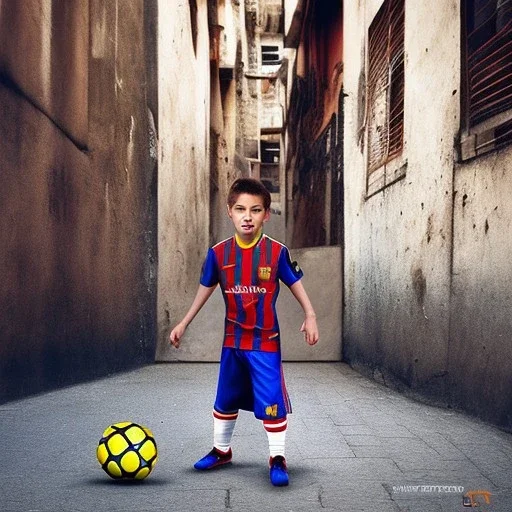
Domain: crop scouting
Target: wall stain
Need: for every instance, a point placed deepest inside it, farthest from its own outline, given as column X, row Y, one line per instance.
column 429, row 228
column 419, row 285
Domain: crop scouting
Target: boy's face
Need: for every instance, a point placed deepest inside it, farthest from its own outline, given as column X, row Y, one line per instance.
column 248, row 216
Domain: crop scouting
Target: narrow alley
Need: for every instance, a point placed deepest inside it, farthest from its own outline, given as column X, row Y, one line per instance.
column 381, row 133
column 353, row 445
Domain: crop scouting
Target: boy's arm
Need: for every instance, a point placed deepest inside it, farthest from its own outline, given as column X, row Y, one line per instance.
column 202, row 295
column 309, row 327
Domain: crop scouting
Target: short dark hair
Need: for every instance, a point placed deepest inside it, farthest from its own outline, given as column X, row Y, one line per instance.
column 249, row 186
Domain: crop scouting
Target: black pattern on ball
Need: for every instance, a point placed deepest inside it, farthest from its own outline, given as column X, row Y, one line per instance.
column 127, row 450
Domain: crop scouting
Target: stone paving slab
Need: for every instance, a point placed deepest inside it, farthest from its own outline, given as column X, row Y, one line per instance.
column 352, row 445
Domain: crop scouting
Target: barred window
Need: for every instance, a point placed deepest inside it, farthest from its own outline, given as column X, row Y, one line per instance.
column 487, row 76
column 385, row 89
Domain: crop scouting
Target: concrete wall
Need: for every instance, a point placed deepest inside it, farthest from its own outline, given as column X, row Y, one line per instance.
column 409, row 317
column 76, row 249
column 480, row 354
column 226, row 99
column 183, row 177
column 323, row 283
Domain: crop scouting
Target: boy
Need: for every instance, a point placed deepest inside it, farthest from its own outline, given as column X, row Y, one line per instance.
column 248, row 267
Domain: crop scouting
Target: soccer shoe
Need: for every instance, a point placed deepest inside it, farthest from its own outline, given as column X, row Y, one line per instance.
column 278, row 471
column 213, row 459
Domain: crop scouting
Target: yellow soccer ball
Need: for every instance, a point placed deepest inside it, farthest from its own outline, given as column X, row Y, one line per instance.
column 127, row 450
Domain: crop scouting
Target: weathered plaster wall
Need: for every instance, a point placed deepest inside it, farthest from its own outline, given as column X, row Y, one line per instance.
column 481, row 323
column 397, row 261
column 427, row 279
column 289, row 10
column 76, row 252
column 247, row 121
column 183, row 178
column 224, row 114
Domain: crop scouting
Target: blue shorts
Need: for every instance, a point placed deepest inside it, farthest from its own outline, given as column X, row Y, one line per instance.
column 252, row 380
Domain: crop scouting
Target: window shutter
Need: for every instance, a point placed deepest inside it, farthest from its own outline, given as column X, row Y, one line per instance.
column 489, row 58
column 386, row 84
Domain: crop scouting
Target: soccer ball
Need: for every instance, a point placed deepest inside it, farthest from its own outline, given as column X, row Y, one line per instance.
column 127, row 450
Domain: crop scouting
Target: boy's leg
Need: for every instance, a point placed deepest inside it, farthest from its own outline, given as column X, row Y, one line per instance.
column 223, row 427
column 230, row 397
column 271, row 405
column 276, row 434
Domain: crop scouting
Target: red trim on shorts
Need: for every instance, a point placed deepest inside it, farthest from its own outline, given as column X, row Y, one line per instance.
column 222, row 416
column 286, row 397
column 275, row 425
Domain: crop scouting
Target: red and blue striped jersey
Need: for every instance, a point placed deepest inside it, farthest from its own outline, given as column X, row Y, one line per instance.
column 249, row 280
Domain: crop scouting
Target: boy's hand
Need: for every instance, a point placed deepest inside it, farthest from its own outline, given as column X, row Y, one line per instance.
column 310, row 330
column 176, row 334
column 202, row 295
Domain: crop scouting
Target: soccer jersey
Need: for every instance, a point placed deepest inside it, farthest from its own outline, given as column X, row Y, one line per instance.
column 249, row 279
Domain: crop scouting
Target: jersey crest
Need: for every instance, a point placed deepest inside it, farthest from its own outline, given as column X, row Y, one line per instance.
column 264, row 273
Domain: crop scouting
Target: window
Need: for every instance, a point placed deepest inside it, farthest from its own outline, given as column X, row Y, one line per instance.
column 270, row 55
column 270, row 152
column 487, row 76
column 270, row 147
column 385, row 94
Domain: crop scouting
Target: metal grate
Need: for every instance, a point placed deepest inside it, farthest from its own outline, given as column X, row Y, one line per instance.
column 386, row 84
column 489, row 58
